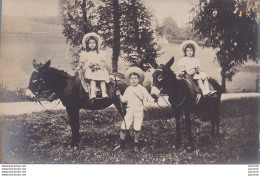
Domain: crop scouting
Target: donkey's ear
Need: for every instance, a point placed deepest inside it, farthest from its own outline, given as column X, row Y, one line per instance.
column 46, row 65
column 35, row 64
column 169, row 63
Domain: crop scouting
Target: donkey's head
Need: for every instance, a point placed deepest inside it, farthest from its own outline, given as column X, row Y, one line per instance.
column 36, row 83
column 161, row 77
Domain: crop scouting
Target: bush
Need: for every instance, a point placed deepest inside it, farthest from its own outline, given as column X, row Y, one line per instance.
column 7, row 95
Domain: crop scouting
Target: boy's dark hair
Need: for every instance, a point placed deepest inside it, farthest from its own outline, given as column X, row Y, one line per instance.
column 134, row 73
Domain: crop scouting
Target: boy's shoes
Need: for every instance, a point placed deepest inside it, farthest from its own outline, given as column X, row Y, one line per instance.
column 121, row 145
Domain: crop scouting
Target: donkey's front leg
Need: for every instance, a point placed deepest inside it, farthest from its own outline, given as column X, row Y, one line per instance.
column 188, row 127
column 73, row 114
column 178, row 131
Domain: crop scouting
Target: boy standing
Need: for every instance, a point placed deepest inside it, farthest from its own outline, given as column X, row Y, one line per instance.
column 134, row 96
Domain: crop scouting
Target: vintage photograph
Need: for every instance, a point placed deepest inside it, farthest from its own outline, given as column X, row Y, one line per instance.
column 129, row 82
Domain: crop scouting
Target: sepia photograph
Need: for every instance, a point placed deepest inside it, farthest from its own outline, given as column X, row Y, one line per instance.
column 130, row 82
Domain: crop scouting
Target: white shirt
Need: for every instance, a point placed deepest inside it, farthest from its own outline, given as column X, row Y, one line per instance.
column 92, row 57
column 189, row 64
column 135, row 95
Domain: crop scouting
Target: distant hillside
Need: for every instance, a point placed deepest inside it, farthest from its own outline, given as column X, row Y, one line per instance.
column 172, row 33
column 23, row 25
column 54, row 20
column 250, row 68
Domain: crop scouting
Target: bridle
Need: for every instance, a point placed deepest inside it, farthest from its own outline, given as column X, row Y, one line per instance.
column 182, row 101
column 39, row 91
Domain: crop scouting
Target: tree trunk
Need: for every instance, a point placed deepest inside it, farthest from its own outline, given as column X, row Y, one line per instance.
column 116, row 36
column 223, row 83
column 136, row 27
column 84, row 16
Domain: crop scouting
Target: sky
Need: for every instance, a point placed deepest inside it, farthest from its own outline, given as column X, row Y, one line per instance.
column 30, row 8
column 177, row 9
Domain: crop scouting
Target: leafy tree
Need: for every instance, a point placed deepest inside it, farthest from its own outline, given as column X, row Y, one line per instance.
column 231, row 27
column 172, row 32
column 126, row 26
column 78, row 19
column 138, row 33
column 109, row 24
column 169, row 28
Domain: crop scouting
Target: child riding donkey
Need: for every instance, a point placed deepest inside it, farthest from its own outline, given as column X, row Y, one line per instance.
column 91, row 66
column 190, row 67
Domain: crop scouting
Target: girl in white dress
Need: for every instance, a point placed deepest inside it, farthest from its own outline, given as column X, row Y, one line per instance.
column 92, row 63
column 190, row 65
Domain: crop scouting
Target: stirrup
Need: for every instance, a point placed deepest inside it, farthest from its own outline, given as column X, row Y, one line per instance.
column 212, row 92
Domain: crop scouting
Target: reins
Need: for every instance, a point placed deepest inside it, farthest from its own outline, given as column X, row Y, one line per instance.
column 165, row 101
column 39, row 101
column 184, row 98
column 48, row 108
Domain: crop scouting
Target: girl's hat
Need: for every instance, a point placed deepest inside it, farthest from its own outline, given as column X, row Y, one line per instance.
column 91, row 34
column 188, row 43
column 136, row 70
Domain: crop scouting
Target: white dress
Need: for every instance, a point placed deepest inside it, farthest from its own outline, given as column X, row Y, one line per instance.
column 90, row 58
column 190, row 65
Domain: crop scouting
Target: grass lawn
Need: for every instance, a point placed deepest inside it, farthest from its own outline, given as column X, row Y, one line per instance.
column 44, row 137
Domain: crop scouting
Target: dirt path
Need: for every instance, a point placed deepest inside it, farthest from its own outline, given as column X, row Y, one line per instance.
column 18, row 108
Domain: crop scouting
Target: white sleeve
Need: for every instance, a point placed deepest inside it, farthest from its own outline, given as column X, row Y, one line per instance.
column 102, row 56
column 181, row 64
column 82, row 56
column 197, row 63
column 147, row 96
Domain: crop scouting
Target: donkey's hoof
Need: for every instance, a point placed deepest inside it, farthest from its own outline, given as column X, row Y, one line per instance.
column 74, row 143
column 75, row 148
column 196, row 152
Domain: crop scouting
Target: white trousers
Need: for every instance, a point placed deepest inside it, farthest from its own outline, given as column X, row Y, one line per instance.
column 133, row 116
